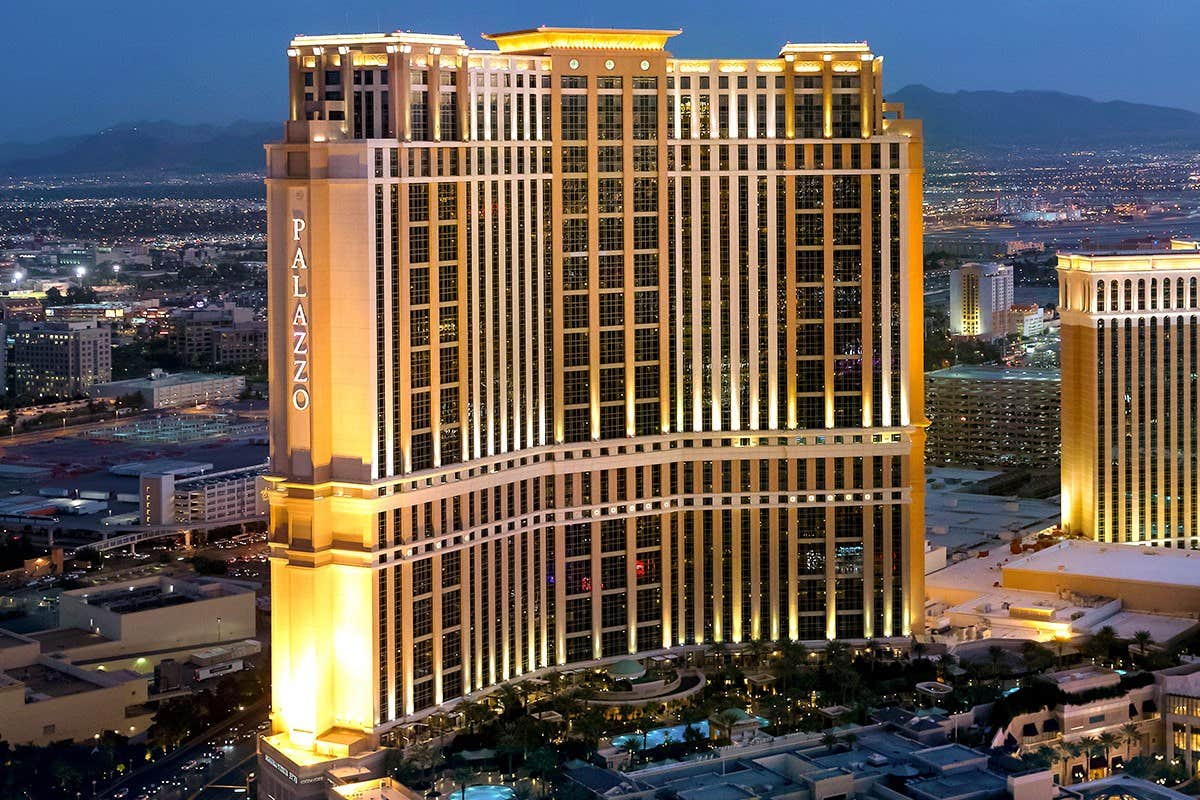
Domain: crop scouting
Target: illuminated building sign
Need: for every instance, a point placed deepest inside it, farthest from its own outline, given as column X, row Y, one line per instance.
column 301, row 397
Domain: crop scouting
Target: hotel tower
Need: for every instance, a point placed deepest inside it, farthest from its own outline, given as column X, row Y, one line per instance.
column 1130, row 403
column 579, row 351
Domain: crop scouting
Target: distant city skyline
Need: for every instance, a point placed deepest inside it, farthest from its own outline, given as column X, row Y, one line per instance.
column 218, row 61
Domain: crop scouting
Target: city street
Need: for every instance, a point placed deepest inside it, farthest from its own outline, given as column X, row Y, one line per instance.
column 220, row 757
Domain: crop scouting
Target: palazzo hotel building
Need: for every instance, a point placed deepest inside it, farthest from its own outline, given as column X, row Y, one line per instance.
column 580, row 350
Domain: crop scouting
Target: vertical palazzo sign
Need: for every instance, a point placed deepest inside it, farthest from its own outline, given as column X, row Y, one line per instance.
column 298, row 300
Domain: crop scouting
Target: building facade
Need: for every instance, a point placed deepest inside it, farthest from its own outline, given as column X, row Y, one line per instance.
column 60, row 359
column 1129, row 398
column 980, row 297
column 579, row 350
column 162, row 390
column 993, row 417
column 234, row 495
column 1026, row 321
column 218, row 336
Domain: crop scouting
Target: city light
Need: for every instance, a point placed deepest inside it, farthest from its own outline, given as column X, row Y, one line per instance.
column 550, row 414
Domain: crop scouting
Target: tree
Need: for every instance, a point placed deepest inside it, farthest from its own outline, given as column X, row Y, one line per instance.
column 462, row 777
column 692, row 735
column 1037, row 657
column 1071, row 751
column 1131, row 735
column 918, row 648
column 541, row 763
column 1090, row 746
column 996, row 657
column 1102, row 644
column 758, row 648
column 1108, row 740
column 1143, row 640
column 850, row 739
column 829, row 739
column 423, row 756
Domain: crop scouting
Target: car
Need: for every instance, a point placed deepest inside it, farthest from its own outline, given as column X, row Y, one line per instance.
column 121, row 793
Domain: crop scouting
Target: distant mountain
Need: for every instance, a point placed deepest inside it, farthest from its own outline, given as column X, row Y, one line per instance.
column 144, row 147
column 1053, row 120
column 977, row 120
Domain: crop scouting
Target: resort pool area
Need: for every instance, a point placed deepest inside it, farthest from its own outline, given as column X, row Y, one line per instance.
column 485, row 791
column 656, row 736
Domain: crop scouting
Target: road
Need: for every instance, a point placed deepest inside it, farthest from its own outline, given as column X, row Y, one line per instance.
column 231, row 785
column 168, row 780
column 47, row 434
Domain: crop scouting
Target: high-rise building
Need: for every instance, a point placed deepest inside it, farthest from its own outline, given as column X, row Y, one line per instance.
column 60, row 359
column 1129, row 396
column 580, row 351
column 980, row 296
column 221, row 335
column 993, row 417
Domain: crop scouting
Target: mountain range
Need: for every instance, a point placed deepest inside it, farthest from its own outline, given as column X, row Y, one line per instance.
column 1047, row 120
column 980, row 120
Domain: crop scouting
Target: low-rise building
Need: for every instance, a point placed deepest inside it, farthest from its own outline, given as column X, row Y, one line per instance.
column 45, row 699
column 877, row 763
column 1180, row 702
column 1094, row 701
column 1154, row 579
column 150, row 615
column 234, row 495
column 163, row 390
column 21, row 308
column 108, row 312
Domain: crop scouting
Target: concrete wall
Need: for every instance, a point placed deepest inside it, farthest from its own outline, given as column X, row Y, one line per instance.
column 1134, row 595
column 182, row 625
column 73, row 716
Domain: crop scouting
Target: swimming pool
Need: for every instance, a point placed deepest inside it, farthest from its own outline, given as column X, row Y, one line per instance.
column 656, row 736
column 484, row 791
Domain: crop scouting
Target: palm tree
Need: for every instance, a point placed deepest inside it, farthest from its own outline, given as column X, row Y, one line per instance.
column 1102, row 643
column 829, row 739
column 541, row 763
column 850, row 739
column 462, row 776
column 1044, row 755
column 1143, row 640
column 1131, row 735
column 1073, row 751
column 758, row 649
column 1108, row 740
column 996, row 657
column 1090, row 745
column 918, row 648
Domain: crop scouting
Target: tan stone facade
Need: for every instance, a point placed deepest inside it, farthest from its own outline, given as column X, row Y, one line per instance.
column 580, row 350
column 1129, row 398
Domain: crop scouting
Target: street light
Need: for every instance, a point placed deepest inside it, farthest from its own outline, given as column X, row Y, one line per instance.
column 18, row 276
column 80, row 272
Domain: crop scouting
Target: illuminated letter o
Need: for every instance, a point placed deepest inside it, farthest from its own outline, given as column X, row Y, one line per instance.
column 300, row 399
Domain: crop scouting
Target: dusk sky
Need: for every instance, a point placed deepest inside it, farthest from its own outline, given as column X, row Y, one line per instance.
column 79, row 65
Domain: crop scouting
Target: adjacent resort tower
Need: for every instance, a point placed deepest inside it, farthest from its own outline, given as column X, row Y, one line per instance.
column 580, row 351
column 1129, row 395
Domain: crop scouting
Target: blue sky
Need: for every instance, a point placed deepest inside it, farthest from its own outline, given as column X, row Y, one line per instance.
column 76, row 66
